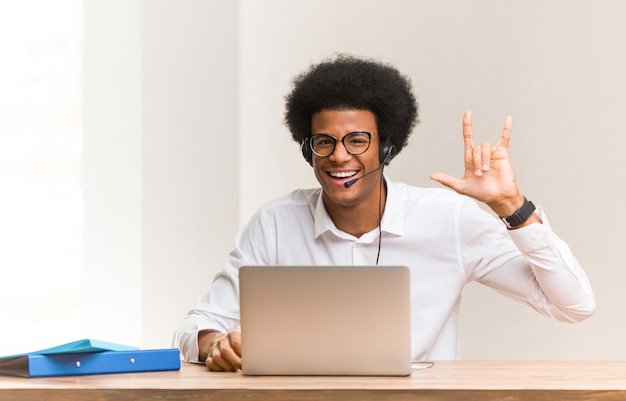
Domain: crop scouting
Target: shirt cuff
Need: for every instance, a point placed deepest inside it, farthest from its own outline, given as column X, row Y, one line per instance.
column 534, row 236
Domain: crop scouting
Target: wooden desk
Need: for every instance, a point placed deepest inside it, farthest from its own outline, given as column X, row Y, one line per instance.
column 463, row 380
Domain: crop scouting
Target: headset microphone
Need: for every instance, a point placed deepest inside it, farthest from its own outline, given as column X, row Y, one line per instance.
column 350, row 183
column 388, row 151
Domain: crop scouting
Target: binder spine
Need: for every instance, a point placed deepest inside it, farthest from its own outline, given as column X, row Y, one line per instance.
column 88, row 363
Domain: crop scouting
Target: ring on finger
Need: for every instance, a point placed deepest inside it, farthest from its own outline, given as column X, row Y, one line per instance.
column 213, row 349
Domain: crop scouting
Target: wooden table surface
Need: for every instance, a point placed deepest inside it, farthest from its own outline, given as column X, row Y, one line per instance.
column 463, row 380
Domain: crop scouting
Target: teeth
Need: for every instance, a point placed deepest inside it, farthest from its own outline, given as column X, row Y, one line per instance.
column 343, row 174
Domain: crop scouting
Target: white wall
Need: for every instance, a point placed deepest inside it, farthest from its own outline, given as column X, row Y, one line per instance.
column 184, row 140
column 112, row 174
column 190, row 133
column 161, row 133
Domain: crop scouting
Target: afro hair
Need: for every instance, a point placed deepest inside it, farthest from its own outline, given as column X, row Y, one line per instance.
column 347, row 82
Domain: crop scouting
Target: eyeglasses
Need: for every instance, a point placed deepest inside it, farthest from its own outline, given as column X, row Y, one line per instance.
column 355, row 143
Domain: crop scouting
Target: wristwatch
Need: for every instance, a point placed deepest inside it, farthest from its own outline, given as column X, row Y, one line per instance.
column 520, row 216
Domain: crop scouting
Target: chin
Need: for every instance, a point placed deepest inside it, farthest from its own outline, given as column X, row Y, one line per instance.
column 343, row 200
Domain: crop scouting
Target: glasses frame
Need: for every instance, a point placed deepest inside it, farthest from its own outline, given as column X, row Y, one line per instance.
column 312, row 137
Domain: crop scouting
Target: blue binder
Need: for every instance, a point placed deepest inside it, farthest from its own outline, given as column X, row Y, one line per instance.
column 87, row 357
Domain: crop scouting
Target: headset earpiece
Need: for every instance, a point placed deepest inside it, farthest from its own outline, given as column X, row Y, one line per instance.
column 386, row 152
column 307, row 153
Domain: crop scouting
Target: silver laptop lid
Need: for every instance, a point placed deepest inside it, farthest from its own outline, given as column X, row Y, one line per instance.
column 325, row 320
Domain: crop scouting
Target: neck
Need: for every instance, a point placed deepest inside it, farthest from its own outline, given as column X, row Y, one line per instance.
column 359, row 218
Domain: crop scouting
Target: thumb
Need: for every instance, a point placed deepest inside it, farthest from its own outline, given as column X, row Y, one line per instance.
column 447, row 180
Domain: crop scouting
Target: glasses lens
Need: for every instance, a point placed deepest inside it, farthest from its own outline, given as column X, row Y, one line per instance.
column 356, row 142
column 323, row 145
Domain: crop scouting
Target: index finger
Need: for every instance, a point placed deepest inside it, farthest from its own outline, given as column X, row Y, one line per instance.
column 230, row 351
column 468, row 135
column 235, row 342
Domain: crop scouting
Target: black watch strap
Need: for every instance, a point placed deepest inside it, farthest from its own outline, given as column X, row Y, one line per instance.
column 520, row 216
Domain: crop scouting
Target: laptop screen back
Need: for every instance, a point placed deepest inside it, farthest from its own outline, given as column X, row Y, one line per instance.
column 325, row 320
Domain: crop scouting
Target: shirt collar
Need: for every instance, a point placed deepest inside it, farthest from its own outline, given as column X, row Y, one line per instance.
column 393, row 218
column 392, row 221
column 323, row 222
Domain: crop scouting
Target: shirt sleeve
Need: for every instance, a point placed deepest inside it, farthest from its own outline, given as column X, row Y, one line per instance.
column 208, row 314
column 218, row 308
column 541, row 270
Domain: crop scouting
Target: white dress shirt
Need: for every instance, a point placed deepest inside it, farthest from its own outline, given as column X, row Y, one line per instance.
column 444, row 238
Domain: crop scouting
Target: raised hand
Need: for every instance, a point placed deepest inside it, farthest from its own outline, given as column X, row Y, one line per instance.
column 488, row 175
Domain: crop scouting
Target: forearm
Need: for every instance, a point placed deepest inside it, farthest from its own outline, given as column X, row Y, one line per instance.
column 186, row 337
column 559, row 274
column 548, row 277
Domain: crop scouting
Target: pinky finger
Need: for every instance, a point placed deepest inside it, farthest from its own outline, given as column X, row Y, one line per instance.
column 505, row 137
column 211, row 363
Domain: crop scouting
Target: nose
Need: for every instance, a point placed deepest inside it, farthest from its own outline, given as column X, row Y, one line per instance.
column 340, row 153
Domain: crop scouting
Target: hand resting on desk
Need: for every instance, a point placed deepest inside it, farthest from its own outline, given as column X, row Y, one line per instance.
column 220, row 352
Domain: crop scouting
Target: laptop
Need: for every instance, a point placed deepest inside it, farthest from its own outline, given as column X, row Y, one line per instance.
column 325, row 320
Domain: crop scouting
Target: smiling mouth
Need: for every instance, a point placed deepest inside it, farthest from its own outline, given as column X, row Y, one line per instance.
column 342, row 174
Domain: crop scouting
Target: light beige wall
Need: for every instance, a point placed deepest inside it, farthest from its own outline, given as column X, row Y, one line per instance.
column 556, row 66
